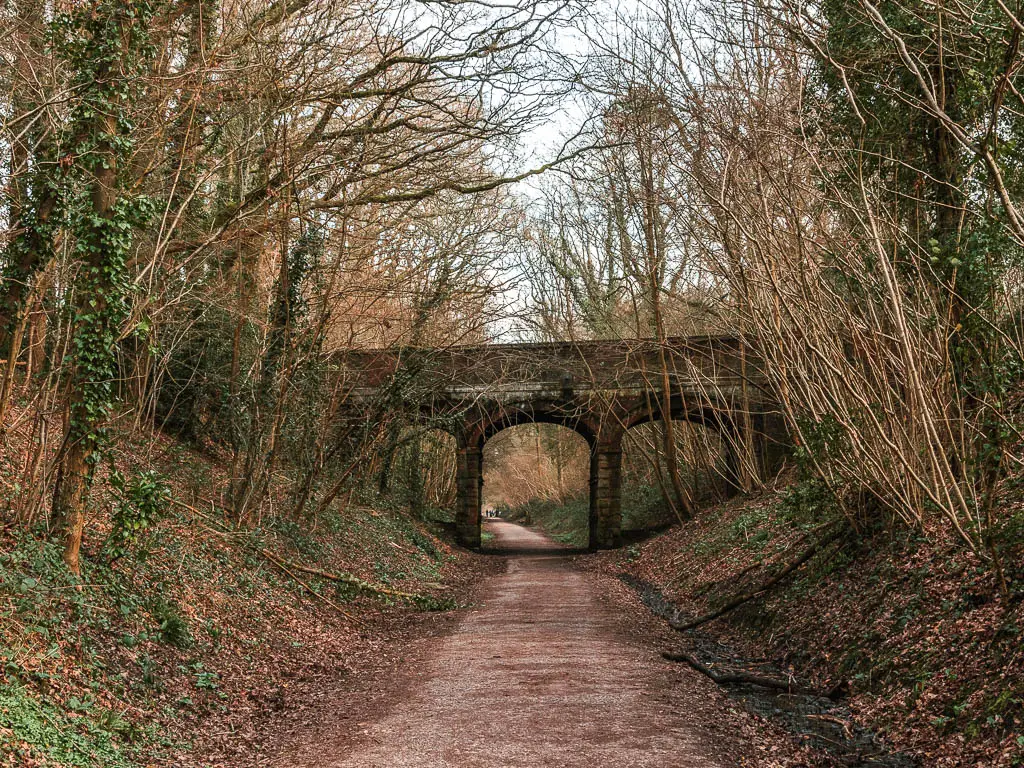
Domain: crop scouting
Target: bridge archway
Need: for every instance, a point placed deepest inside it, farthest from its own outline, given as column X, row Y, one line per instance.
column 657, row 489
column 718, row 420
column 540, row 466
column 420, row 468
column 605, row 467
column 754, row 435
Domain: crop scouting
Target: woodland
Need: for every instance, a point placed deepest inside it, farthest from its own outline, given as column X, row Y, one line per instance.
column 204, row 202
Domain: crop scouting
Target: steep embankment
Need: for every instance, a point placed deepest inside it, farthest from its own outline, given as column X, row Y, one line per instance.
column 913, row 624
column 185, row 656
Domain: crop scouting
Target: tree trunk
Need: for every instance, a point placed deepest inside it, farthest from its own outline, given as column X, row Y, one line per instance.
column 74, row 477
column 104, row 84
column 655, row 265
column 81, row 442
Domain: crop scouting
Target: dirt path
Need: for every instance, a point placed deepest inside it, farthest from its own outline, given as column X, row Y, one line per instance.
column 550, row 669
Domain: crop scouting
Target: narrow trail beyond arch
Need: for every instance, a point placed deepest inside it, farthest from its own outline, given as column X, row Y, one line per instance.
column 550, row 668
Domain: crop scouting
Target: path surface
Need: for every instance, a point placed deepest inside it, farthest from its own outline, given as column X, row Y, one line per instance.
column 545, row 672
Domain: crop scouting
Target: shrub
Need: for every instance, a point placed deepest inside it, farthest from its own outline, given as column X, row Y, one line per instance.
column 142, row 501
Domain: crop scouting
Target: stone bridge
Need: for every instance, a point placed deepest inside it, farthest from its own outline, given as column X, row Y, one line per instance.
column 597, row 388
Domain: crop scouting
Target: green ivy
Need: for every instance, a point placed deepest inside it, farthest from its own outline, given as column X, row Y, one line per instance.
column 40, row 732
column 106, row 46
column 142, row 501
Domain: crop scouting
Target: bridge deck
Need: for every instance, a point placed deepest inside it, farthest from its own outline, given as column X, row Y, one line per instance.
column 557, row 369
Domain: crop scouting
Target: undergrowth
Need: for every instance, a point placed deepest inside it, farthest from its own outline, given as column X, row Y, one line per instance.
column 60, row 687
column 912, row 620
column 117, row 669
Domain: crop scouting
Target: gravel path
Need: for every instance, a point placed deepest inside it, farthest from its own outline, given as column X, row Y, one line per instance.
column 547, row 670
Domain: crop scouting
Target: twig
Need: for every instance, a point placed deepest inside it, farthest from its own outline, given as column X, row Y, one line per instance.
column 344, row 578
column 317, row 595
column 847, row 731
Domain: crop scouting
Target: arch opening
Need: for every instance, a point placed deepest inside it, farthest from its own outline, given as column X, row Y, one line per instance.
column 670, row 474
column 753, row 441
column 510, row 418
column 421, row 471
column 537, row 473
